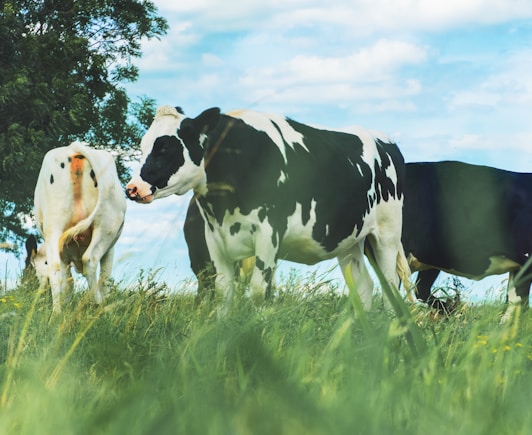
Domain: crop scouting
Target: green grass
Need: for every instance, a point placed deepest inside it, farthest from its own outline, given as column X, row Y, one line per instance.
column 147, row 363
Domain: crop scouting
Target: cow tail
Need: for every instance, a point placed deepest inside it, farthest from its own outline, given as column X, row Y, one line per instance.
column 403, row 271
column 84, row 224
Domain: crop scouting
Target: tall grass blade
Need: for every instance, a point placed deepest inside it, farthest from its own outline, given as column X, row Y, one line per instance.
column 524, row 275
column 52, row 379
column 413, row 334
column 356, row 301
column 13, row 358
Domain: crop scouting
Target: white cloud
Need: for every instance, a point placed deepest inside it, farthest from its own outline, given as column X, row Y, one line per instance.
column 367, row 64
column 213, row 16
column 505, row 150
column 441, row 15
column 510, row 142
column 360, row 98
column 251, row 75
column 509, row 85
column 368, row 73
column 474, row 98
column 211, row 60
column 288, row 56
column 296, row 51
column 164, row 54
column 363, row 17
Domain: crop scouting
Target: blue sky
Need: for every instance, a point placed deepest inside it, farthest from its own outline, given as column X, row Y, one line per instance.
column 446, row 80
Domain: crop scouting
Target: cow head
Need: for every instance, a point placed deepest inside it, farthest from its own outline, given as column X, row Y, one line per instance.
column 37, row 261
column 172, row 155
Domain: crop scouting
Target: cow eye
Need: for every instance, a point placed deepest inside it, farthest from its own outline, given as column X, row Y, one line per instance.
column 165, row 146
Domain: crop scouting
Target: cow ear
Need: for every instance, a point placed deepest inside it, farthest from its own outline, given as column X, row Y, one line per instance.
column 203, row 123
column 207, row 120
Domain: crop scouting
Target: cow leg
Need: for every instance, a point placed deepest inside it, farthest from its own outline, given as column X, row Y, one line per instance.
column 425, row 280
column 95, row 253
column 198, row 252
column 245, row 272
column 354, row 264
column 58, row 273
column 523, row 293
column 106, row 269
column 60, row 279
column 515, row 296
column 385, row 254
column 225, row 283
column 262, row 278
column 266, row 253
column 522, row 287
column 385, row 241
column 90, row 272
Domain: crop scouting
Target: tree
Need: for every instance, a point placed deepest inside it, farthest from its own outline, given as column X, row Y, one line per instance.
column 62, row 64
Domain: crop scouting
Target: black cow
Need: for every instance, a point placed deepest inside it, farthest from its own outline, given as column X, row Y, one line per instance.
column 270, row 187
column 467, row 220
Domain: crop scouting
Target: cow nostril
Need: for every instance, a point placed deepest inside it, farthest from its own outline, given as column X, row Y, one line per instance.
column 131, row 191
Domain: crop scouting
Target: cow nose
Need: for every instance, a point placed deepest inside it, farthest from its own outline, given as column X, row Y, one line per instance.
column 131, row 192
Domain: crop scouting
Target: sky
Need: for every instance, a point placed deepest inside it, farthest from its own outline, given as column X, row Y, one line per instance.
column 446, row 80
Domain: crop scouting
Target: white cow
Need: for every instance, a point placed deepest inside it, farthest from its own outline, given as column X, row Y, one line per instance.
column 79, row 209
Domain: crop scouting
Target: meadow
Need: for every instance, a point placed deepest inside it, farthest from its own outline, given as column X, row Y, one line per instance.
column 153, row 362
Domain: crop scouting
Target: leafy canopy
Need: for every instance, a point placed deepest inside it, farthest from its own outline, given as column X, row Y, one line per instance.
column 62, row 64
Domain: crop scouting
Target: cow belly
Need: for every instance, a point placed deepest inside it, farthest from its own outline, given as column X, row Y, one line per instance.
column 497, row 266
column 309, row 251
column 299, row 245
column 304, row 251
column 241, row 236
column 236, row 236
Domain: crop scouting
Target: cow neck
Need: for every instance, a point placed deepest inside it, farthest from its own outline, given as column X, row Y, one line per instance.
column 213, row 188
column 212, row 151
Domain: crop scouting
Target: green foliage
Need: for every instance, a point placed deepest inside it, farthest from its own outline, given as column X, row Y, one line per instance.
column 153, row 362
column 62, row 63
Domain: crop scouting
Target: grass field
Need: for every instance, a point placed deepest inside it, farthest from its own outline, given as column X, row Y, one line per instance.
column 151, row 363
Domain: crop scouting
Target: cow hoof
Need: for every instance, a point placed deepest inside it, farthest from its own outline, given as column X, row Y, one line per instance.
column 444, row 307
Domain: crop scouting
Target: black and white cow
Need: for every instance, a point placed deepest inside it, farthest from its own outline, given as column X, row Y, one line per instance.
column 468, row 220
column 273, row 188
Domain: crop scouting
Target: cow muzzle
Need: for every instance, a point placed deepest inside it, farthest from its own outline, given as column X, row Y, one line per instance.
column 135, row 194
